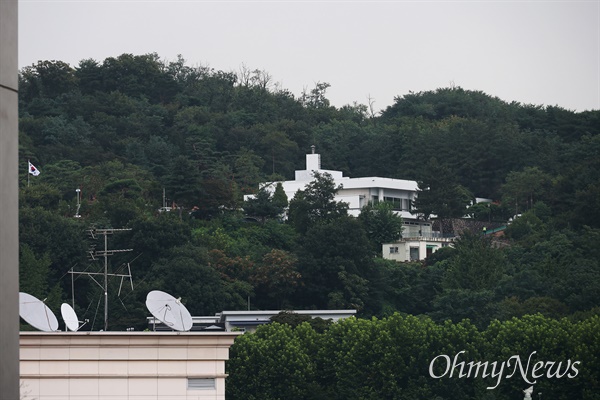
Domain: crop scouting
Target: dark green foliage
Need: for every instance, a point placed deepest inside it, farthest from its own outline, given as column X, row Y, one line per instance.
column 336, row 264
column 391, row 358
column 293, row 319
column 381, row 224
column 47, row 234
column 263, row 206
column 316, row 203
column 275, row 363
column 475, row 264
column 279, row 197
column 185, row 271
column 439, row 194
column 123, row 129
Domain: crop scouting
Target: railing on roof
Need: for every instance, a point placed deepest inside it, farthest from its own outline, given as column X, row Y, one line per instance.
column 430, row 235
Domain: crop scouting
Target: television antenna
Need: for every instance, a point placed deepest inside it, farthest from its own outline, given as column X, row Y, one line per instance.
column 169, row 310
column 94, row 256
column 36, row 313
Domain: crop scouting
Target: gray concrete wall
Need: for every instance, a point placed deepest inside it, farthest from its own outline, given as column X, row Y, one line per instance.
column 9, row 203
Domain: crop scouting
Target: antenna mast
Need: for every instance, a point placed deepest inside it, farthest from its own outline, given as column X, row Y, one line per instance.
column 94, row 233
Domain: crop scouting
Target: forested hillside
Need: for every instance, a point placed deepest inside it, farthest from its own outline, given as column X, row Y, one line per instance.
column 123, row 129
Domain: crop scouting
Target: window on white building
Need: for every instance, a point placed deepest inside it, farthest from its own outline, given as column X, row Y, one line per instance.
column 393, row 250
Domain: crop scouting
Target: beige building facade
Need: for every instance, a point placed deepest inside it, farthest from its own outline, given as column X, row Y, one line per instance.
column 124, row 365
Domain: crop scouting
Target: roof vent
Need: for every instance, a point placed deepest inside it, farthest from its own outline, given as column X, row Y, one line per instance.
column 201, row 383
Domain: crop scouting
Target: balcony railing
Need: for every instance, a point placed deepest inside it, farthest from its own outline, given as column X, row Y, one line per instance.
column 429, row 236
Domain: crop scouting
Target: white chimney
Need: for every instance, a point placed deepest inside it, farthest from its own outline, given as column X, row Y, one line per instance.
column 313, row 161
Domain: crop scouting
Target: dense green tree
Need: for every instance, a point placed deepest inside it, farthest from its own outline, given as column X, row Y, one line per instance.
column 294, row 319
column 247, row 168
column 475, row 265
column 279, row 197
column 411, row 287
column 136, row 76
column 395, row 357
column 152, row 238
column 185, row 272
column 41, row 195
column 47, row 79
column 275, row 363
column 277, row 147
column 336, row 263
column 316, row 203
column 34, row 272
column 183, row 182
column 276, row 278
column 263, row 206
column 381, row 224
column 522, row 189
column 439, row 194
column 62, row 239
column 472, row 272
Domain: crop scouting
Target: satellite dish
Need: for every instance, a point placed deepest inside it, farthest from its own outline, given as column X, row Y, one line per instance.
column 169, row 310
column 70, row 317
column 36, row 313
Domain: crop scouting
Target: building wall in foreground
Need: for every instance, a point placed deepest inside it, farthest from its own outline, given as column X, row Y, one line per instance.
column 124, row 365
column 9, row 202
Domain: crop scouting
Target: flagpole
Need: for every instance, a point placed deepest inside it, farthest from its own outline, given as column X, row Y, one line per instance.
column 28, row 172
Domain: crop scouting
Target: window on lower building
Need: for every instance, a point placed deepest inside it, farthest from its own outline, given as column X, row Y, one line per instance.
column 414, row 254
column 201, row 384
column 393, row 250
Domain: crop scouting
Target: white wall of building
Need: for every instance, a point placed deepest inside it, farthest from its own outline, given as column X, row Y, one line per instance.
column 414, row 249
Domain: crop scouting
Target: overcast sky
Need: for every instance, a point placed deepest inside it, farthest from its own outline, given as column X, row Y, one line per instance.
column 533, row 52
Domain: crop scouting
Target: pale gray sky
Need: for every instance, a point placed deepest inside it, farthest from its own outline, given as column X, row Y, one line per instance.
column 533, row 52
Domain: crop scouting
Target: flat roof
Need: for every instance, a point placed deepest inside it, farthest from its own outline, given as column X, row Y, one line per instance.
column 127, row 333
column 271, row 312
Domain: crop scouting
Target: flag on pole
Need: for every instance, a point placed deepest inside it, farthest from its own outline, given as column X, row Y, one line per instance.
column 33, row 170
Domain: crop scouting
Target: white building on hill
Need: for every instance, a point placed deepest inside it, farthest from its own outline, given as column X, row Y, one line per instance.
column 418, row 238
column 357, row 192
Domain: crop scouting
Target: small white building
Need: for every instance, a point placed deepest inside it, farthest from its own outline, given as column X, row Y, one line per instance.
column 414, row 249
column 248, row 321
column 418, row 242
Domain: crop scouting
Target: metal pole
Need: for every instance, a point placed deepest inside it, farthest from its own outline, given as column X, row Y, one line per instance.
column 105, row 281
column 73, row 288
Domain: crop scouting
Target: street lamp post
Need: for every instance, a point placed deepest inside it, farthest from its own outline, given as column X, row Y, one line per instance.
column 78, row 203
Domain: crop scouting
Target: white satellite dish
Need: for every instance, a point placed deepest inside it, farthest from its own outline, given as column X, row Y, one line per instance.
column 70, row 317
column 169, row 310
column 36, row 313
